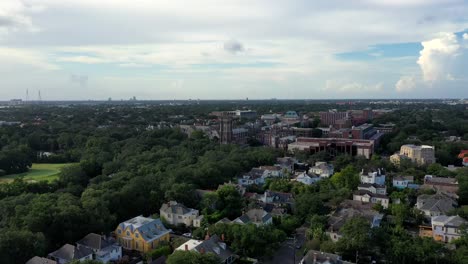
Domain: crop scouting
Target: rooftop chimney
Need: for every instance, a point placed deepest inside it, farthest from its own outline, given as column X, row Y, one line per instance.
column 202, row 250
column 207, row 237
column 222, row 237
column 315, row 257
column 186, row 247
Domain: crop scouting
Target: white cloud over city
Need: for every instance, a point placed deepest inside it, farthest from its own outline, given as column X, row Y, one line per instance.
column 232, row 49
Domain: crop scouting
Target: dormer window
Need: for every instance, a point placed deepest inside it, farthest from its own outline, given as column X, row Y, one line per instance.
column 137, row 235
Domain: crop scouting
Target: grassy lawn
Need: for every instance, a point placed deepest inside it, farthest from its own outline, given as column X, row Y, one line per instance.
column 38, row 172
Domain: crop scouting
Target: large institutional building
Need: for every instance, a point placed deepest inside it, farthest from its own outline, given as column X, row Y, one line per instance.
column 334, row 146
column 422, row 155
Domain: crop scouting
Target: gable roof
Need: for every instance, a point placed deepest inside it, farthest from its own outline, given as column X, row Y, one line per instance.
column 254, row 216
column 449, row 221
column 70, row 252
column 173, row 207
column 216, row 246
column 94, row 241
column 376, row 195
column 279, row 197
column 436, row 203
column 149, row 228
column 39, row 260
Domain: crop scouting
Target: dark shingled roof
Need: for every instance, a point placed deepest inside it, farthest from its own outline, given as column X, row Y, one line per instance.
column 94, row 241
column 216, row 246
column 70, row 252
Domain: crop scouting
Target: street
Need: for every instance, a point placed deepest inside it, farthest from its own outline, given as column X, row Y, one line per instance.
column 286, row 253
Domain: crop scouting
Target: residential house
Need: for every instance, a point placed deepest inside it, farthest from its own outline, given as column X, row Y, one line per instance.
column 39, row 260
column 212, row 244
column 176, row 213
column 272, row 171
column 375, row 177
column 373, row 188
column 104, row 249
column 141, row 233
column 347, row 210
column 68, row 253
column 322, row 169
column 402, row 182
column 279, row 198
column 447, row 228
column 254, row 176
column 441, row 184
column 286, row 163
column 435, row 205
column 374, row 198
column 318, row 257
column 257, row 217
column 307, row 179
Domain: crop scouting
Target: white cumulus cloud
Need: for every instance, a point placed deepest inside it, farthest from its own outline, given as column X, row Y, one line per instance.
column 406, row 84
column 438, row 57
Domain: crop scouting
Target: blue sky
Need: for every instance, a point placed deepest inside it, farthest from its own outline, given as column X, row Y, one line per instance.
column 155, row 49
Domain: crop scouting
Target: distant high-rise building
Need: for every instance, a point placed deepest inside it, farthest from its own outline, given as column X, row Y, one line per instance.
column 225, row 127
column 329, row 118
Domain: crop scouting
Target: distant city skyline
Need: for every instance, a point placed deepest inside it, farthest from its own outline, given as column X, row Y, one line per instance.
column 207, row 49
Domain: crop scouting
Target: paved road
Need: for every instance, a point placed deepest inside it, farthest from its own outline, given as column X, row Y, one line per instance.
column 285, row 254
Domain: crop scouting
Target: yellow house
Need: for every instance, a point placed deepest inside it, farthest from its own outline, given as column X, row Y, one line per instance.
column 141, row 233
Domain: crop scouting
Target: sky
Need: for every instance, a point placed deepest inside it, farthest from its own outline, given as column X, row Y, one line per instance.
column 233, row 49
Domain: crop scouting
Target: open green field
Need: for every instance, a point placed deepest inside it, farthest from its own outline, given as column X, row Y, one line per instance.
column 38, row 172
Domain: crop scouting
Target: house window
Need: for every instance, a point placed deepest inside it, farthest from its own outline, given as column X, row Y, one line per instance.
column 136, row 235
column 128, row 233
column 119, row 231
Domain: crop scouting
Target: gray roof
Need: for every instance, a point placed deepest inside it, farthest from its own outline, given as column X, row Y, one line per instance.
column 349, row 209
column 95, row 242
column 279, row 197
column 149, row 228
column 255, row 173
column 39, row 260
column 450, row 221
column 216, row 246
column 368, row 185
column 436, row 203
column 254, row 216
column 175, row 208
column 322, row 258
column 70, row 252
column 404, row 178
column 377, row 195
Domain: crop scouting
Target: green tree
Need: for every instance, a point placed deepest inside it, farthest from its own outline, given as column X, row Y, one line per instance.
column 17, row 246
column 356, row 238
column 346, row 178
column 192, row 257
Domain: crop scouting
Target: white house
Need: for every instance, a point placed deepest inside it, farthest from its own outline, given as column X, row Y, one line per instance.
column 175, row 213
column 104, row 249
column 373, row 188
column 306, row 179
column 376, row 177
column 369, row 197
column 322, row 169
column 447, row 228
column 214, row 245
